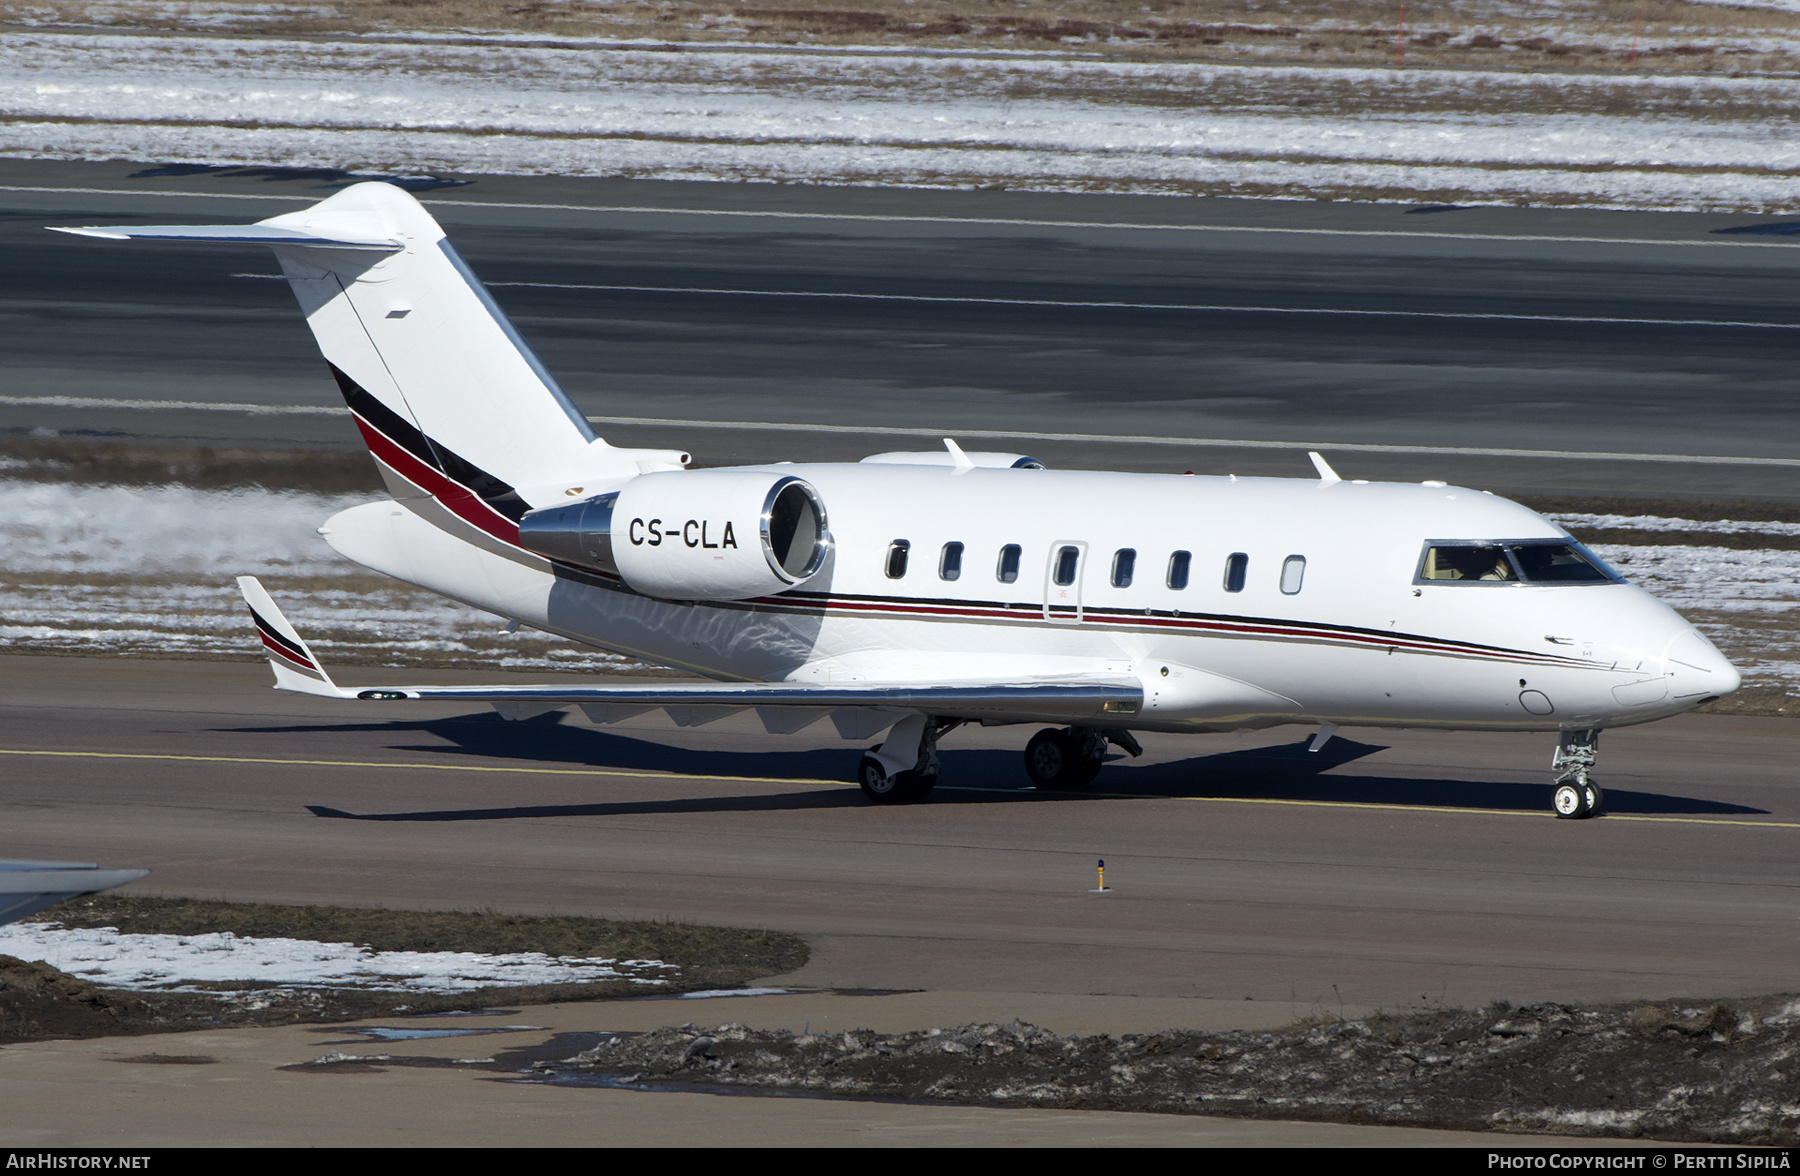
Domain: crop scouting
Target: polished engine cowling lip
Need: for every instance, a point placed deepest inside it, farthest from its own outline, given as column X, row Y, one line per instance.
column 821, row 542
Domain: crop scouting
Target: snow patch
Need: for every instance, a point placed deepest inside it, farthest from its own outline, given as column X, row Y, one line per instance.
column 885, row 116
column 177, row 963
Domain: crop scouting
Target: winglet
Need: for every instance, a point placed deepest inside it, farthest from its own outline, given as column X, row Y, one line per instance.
column 1327, row 475
column 294, row 664
column 963, row 462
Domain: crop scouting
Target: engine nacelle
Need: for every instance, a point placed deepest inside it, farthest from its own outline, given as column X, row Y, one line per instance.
column 692, row 535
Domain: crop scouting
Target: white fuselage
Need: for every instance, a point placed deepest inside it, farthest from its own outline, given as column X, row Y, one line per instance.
column 1361, row 642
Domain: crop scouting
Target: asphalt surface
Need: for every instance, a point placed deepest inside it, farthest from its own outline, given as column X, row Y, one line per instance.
column 1251, row 885
column 955, row 313
column 1390, row 869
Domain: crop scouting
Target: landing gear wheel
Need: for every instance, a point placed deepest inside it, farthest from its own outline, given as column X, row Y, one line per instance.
column 1053, row 760
column 1574, row 801
column 899, row 788
column 1048, row 757
column 1596, row 799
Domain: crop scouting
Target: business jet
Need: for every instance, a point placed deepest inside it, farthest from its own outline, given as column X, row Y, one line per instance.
column 912, row 593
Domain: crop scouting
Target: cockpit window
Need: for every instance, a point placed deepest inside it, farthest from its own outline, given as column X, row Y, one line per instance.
column 1467, row 563
column 1544, row 561
column 1561, row 563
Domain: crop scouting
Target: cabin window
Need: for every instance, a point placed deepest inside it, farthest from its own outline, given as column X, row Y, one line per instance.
column 1178, row 570
column 1068, row 559
column 1293, row 571
column 1124, row 564
column 896, row 560
column 1008, row 569
column 950, row 563
column 1237, row 565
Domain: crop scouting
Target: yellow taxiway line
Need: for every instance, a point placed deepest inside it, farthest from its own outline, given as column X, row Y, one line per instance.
column 1348, row 804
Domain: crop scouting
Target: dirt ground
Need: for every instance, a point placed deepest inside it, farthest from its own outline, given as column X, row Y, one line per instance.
column 1718, row 1073
column 1722, row 1074
column 38, row 1002
column 1584, row 35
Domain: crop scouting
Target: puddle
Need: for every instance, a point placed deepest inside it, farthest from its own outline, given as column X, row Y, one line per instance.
column 156, row 1059
column 717, row 993
column 466, row 1013
column 559, row 1048
column 392, row 1033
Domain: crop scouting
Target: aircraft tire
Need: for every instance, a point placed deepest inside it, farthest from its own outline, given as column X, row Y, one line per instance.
column 1571, row 801
column 1596, row 800
column 899, row 788
column 1051, row 760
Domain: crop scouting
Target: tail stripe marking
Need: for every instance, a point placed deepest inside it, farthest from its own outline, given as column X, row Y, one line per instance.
column 456, row 482
column 276, row 644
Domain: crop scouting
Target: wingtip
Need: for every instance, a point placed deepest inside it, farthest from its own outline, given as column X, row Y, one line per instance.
column 90, row 231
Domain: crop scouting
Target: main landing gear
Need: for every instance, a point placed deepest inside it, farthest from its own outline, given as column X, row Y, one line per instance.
column 903, row 768
column 1070, row 757
column 1576, row 796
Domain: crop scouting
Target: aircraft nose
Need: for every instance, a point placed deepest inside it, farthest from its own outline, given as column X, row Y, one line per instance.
column 1698, row 668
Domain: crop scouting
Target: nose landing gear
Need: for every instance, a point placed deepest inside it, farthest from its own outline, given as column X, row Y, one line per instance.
column 1576, row 796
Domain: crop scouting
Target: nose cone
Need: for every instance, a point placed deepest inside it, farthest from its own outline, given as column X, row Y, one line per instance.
column 1699, row 671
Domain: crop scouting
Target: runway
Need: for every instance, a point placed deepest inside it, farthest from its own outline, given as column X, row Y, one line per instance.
column 1102, row 328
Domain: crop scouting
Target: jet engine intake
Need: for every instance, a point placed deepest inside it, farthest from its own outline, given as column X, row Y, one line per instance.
column 691, row 535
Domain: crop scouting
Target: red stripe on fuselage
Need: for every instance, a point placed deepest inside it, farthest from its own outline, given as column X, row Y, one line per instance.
column 1033, row 615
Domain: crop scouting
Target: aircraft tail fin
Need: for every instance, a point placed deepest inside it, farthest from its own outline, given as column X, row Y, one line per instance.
column 292, row 660
column 452, row 402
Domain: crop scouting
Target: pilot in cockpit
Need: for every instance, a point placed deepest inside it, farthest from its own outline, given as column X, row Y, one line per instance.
column 1468, row 563
column 1499, row 567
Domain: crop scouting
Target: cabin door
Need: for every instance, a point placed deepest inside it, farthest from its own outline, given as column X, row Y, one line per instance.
column 1062, row 581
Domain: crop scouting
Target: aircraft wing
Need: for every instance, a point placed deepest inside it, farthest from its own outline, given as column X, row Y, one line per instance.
column 1071, row 699
column 28, row 887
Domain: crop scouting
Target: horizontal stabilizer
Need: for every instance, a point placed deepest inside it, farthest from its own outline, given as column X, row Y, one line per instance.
column 462, row 417
column 370, row 237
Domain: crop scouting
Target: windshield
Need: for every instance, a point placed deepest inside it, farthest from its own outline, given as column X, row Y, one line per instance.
column 1535, row 561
